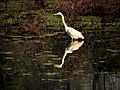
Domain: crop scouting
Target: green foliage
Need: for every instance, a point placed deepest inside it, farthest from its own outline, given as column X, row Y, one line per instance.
column 19, row 12
column 9, row 21
column 54, row 21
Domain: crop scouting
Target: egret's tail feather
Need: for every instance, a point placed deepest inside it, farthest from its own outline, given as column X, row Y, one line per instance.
column 81, row 36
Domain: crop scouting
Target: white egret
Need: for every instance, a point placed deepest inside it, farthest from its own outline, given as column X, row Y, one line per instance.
column 75, row 45
column 74, row 34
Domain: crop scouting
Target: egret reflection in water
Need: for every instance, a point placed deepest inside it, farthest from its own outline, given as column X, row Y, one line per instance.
column 75, row 45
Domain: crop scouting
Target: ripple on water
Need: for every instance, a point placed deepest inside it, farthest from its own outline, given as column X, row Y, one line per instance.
column 50, row 55
column 10, row 52
column 10, row 58
column 114, row 51
column 60, row 80
column 47, row 64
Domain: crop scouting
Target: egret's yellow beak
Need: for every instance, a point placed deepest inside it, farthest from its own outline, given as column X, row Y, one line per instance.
column 55, row 14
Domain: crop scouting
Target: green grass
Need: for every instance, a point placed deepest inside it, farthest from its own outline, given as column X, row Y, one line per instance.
column 92, row 23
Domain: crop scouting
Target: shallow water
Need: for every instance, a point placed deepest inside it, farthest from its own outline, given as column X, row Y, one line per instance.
column 56, row 63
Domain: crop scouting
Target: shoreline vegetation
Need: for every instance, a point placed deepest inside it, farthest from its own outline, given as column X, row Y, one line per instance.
column 34, row 18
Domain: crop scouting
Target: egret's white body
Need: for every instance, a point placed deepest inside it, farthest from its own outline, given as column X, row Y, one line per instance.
column 74, row 34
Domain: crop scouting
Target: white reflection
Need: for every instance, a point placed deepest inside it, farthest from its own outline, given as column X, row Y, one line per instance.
column 72, row 47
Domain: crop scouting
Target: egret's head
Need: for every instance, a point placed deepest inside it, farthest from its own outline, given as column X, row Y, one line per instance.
column 59, row 13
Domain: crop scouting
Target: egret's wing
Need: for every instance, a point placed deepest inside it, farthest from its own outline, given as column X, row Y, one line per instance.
column 73, row 32
column 76, row 45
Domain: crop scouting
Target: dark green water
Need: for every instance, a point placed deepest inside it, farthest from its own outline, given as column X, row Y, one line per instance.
column 92, row 64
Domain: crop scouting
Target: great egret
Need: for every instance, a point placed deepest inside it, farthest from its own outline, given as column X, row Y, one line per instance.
column 74, row 34
column 75, row 45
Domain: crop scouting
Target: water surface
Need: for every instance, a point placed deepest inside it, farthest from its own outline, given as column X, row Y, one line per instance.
column 33, row 64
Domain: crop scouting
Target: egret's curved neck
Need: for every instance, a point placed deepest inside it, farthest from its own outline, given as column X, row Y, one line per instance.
column 64, row 21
